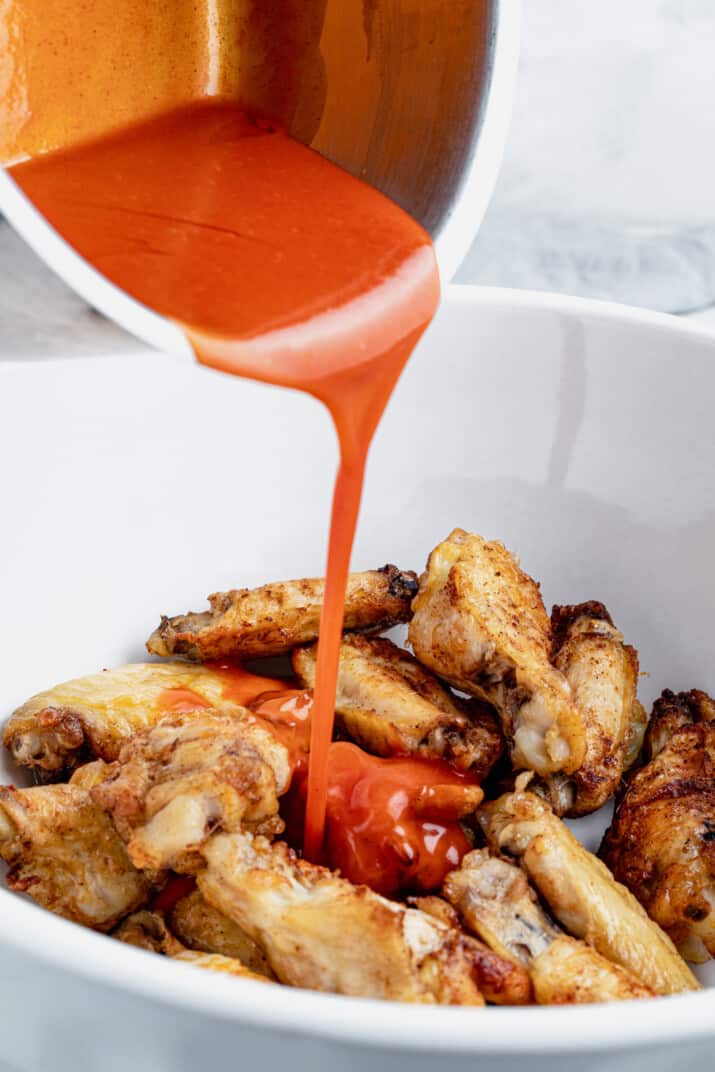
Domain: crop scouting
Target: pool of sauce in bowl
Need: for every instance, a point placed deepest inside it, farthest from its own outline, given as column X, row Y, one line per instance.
column 279, row 266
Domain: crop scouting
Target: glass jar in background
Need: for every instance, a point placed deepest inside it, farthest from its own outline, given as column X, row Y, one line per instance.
column 608, row 183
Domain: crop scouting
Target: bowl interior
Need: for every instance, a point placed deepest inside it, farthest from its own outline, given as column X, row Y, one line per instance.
column 581, row 437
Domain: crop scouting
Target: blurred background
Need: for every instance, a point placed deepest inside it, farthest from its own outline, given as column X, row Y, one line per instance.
column 607, row 188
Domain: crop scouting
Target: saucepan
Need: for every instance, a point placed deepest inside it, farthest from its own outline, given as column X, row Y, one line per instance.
column 414, row 96
column 579, row 433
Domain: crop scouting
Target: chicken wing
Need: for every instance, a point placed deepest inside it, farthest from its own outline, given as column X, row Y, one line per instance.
column 495, row 902
column 391, row 705
column 602, row 673
column 661, row 843
column 672, row 711
column 501, row 979
column 148, row 930
column 189, row 775
column 581, row 891
column 321, row 932
column 480, row 622
column 204, row 929
column 95, row 715
column 275, row 618
column 63, row 851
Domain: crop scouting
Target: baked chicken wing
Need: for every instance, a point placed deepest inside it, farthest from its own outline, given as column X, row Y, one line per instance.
column 203, row 928
column 95, row 715
column 189, row 775
column 391, row 705
column 148, row 930
column 581, row 891
column 661, row 843
column 495, row 902
column 321, row 932
column 63, row 851
column 479, row 622
column 602, row 673
column 275, row 618
column 501, row 979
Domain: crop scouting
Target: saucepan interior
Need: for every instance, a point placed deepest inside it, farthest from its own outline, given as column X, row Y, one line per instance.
column 578, row 433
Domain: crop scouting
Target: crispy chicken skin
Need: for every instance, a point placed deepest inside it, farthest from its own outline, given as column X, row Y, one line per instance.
column 495, row 901
column 204, row 929
column 189, row 775
column 581, row 891
column 391, row 705
column 672, row 711
column 661, row 843
column 501, row 979
column 148, row 930
column 479, row 622
column 95, row 715
column 602, row 673
column 275, row 618
column 321, row 932
column 63, row 851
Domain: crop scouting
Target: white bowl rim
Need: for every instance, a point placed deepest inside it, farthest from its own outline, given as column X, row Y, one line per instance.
column 506, row 1030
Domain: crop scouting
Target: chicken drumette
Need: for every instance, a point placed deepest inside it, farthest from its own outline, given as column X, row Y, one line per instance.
column 661, row 843
column 565, row 693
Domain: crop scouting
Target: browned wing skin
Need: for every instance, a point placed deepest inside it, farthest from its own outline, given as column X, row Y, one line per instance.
column 188, row 776
column 480, row 622
column 63, row 851
column 148, row 930
column 93, row 716
column 391, row 705
column 495, row 901
column 204, row 929
column 661, row 843
column 582, row 893
column 321, row 932
column 672, row 711
column 602, row 673
column 501, row 979
column 275, row 618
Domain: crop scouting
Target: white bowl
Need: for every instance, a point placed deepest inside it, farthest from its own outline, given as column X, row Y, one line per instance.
column 579, row 433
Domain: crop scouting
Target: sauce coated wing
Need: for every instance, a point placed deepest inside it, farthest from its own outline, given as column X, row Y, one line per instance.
column 495, row 901
column 275, row 618
column 63, row 851
column 661, row 843
column 582, row 893
column 390, row 704
column 321, row 932
column 93, row 716
column 479, row 622
column 189, row 775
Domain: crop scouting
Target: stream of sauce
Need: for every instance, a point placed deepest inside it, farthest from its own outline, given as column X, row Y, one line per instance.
column 279, row 266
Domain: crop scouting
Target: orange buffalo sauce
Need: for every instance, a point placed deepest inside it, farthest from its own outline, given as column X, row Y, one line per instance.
column 392, row 824
column 279, row 266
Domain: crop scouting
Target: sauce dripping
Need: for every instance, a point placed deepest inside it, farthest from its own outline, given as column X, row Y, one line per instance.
column 279, row 266
column 393, row 824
